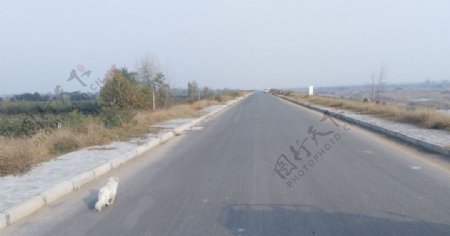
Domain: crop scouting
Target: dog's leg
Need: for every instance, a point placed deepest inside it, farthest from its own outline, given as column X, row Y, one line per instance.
column 111, row 201
column 98, row 206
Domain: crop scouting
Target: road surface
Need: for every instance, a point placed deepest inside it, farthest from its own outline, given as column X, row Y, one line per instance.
column 225, row 177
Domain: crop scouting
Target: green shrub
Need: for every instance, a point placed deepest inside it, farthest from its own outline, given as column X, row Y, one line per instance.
column 112, row 120
column 120, row 97
column 73, row 119
column 118, row 91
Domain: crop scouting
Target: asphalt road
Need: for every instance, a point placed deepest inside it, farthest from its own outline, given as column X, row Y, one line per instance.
column 220, row 179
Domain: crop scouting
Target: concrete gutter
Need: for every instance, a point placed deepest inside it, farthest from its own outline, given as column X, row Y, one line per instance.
column 425, row 144
column 33, row 204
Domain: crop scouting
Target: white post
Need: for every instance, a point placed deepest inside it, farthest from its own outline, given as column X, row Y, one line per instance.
column 153, row 97
column 311, row 90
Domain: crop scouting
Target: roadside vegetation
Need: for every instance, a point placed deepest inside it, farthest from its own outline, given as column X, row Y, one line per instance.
column 128, row 104
column 426, row 117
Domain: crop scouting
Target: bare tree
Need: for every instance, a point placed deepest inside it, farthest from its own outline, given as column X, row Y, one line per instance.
column 147, row 68
column 193, row 90
column 150, row 73
column 378, row 83
column 372, row 87
column 381, row 82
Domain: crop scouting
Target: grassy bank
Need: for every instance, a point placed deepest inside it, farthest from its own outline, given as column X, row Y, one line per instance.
column 422, row 116
column 20, row 154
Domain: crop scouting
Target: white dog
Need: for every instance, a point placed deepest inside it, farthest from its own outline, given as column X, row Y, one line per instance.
column 107, row 194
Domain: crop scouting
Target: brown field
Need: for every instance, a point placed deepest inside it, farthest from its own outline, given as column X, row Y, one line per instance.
column 19, row 155
column 426, row 117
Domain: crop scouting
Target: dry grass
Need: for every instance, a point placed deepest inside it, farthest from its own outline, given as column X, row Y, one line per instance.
column 423, row 117
column 18, row 155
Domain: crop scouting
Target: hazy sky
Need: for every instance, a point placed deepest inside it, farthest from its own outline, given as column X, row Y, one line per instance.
column 249, row 44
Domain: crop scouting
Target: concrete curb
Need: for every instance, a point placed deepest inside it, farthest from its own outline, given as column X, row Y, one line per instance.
column 427, row 145
column 23, row 209
column 82, row 179
column 57, row 191
column 33, row 204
